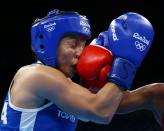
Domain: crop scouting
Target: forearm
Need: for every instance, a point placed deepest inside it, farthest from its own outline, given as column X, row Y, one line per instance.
column 135, row 100
column 98, row 108
column 107, row 100
column 77, row 100
column 86, row 106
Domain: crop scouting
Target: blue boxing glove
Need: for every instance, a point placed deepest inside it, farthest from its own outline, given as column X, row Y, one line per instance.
column 102, row 40
column 129, row 38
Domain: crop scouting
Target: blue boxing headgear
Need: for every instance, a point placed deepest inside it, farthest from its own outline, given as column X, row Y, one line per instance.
column 47, row 33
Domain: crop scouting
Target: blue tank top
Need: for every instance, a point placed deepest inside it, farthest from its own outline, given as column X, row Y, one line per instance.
column 46, row 118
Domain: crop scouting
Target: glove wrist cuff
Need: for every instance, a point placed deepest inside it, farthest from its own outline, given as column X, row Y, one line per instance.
column 122, row 73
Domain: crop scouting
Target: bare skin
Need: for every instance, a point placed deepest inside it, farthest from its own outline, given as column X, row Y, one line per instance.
column 149, row 97
column 36, row 84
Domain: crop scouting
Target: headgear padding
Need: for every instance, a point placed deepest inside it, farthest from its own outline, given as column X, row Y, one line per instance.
column 47, row 33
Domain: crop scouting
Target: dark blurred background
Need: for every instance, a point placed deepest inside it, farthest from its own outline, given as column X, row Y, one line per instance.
column 17, row 17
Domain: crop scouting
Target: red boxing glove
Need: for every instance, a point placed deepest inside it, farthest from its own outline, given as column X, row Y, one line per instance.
column 93, row 66
column 96, row 84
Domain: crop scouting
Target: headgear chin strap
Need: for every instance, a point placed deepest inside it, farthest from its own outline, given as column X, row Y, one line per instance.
column 47, row 32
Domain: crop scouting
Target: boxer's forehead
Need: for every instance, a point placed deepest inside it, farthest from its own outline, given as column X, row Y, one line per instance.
column 75, row 36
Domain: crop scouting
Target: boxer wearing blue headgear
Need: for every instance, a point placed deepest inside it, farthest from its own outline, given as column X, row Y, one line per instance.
column 47, row 33
column 41, row 96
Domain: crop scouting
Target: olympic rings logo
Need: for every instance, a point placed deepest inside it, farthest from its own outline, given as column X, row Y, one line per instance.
column 140, row 46
column 49, row 29
column 86, row 29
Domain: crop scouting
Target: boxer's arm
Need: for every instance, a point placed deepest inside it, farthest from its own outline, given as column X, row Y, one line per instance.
column 134, row 100
column 157, row 91
column 73, row 98
column 150, row 97
column 144, row 97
